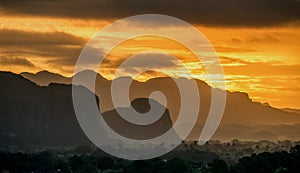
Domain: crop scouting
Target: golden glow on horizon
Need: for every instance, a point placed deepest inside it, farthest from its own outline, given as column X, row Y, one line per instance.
column 140, row 45
column 263, row 62
column 78, row 27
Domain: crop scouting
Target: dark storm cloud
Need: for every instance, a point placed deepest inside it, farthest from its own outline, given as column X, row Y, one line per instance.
column 147, row 61
column 262, row 39
column 206, row 12
column 230, row 60
column 19, row 61
column 50, row 44
column 91, row 56
column 142, row 61
column 151, row 60
column 17, row 37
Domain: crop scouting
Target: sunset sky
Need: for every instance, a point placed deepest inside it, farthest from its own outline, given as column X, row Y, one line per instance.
column 257, row 41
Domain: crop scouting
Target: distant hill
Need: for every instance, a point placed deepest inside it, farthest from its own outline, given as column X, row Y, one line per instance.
column 297, row 111
column 38, row 116
column 44, row 78
column 138, row 132
column 243, row 132
column 44, row 116
column 240, row 109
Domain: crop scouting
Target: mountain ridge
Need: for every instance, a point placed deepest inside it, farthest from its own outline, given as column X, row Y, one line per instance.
column 144, row 89
column 44, row 115
column 25, row 98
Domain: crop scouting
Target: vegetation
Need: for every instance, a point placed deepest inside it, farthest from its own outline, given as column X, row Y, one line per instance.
column 87, row 160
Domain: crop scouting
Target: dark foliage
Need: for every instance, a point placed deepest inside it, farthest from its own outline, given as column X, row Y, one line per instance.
column 49, row 161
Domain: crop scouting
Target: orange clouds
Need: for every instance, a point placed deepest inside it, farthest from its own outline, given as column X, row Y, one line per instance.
column 263, row 62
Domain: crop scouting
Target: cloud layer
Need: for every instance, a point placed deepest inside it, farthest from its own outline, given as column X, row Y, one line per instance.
column 204, row 12
column 18, row 61
column 58, row 47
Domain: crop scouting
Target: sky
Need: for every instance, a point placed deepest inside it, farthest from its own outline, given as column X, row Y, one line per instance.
column 257, row 41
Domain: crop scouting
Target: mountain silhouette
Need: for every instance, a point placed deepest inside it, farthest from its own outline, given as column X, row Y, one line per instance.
column 134, row 131
column 240, row 109
column 44, row 115
column 34, row 115
column 44, row 78
column 297, row 111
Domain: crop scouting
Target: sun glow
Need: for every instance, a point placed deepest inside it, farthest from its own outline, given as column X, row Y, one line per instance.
column 259, row 61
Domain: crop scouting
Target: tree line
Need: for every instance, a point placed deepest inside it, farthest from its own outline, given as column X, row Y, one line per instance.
column 52, row 162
